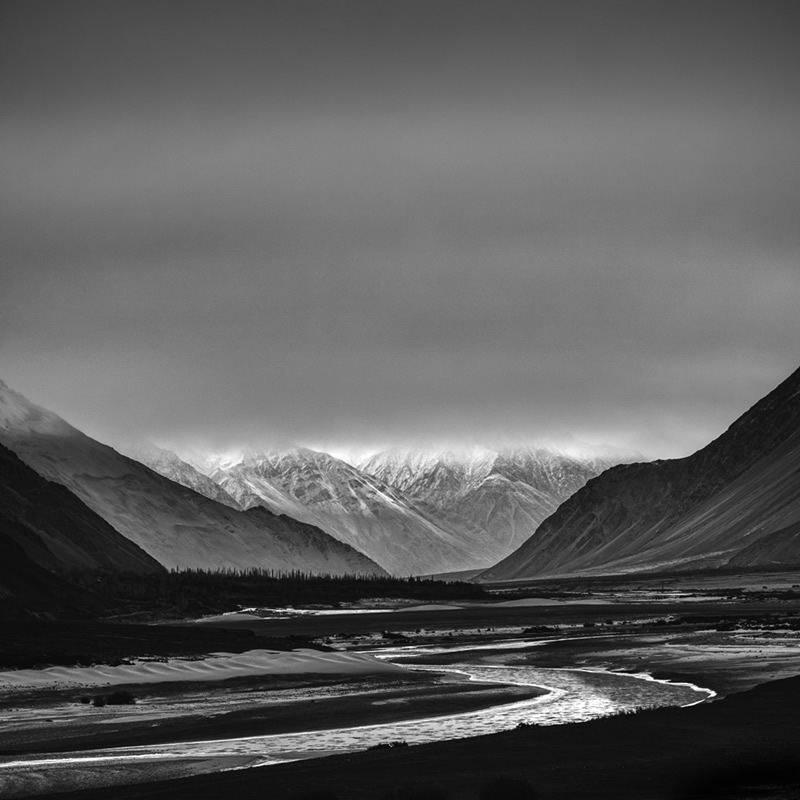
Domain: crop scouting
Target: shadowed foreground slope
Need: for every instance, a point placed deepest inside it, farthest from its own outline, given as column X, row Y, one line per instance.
column 737, row 500
column 175, row 525
column 55, row 529
column 44, row 527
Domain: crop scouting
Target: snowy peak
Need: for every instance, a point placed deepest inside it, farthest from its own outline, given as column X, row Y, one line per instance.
column 556, row 473
column 316, row 478
column 501, row 495
column 402, row 466
column 443, row 478
column 208, row 464
column 360, row 509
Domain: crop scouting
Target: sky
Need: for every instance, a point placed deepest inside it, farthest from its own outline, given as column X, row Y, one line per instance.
column 357, row 223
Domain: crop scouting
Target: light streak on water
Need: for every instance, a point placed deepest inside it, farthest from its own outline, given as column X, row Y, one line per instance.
column 574, row 695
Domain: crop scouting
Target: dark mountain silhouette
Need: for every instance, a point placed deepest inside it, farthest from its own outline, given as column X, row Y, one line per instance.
column 55, row 529
column 29, row 590
column 735, row 501
column 44, row 527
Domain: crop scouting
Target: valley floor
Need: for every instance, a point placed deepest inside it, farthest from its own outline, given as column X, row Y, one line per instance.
column 744, row 744
column 741, row 748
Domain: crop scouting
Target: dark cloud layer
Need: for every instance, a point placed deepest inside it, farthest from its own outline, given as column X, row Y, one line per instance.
column 359, row 222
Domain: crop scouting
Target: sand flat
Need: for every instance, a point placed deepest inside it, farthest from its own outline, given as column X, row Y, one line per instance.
column 532, row 602
column 215, row 668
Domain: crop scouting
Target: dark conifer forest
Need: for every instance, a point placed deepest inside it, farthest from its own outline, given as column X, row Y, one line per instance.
column 193, row 592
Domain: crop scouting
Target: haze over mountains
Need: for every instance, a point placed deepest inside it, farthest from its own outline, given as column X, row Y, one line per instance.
column 734, row 502
column 516, row 513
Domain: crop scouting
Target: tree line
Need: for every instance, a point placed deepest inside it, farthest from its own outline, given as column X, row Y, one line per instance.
column 226, row 589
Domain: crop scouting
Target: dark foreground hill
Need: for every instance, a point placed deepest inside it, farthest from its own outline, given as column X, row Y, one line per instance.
column 29, row 590
column 44, row 527
column 55, row 529
column 735, row 501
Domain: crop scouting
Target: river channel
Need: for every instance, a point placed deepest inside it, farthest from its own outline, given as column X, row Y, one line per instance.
column 573, row 695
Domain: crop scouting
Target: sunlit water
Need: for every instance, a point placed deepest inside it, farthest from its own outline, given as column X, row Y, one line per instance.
column 574, row 695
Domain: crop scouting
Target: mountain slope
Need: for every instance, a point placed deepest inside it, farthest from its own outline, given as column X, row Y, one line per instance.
column 509, row 511
column 168, row 464
column 43, row 527
column 439, row 478
column 356, row 508
column 55, row 529
column 29, row 590
column 736, row 501
column 499, row 495
column 175, row 525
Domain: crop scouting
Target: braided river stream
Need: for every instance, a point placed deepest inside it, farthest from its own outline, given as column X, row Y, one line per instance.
column 572, row 695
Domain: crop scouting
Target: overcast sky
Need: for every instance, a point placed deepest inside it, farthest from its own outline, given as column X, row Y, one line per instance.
column 350, row 224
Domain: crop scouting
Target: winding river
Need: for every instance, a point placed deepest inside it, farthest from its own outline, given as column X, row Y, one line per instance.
column 574, row 695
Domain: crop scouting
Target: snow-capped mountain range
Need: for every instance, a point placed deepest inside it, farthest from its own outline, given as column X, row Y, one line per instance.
column 413, row 511
column 410, row 512
column 355, row 507
column 505, row 494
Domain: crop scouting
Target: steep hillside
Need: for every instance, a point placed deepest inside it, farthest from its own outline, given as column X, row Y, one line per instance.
column 44, row 527
column 28, row 590
column 175, row 525
column 508, row 511
column 377, row 519
column 168, row 464
column 55, row 529
column 736, row 500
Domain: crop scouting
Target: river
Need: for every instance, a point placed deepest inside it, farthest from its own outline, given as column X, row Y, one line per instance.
column 574, row 695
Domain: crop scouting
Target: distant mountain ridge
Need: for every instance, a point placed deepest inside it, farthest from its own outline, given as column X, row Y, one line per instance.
column 735, row 501
column 175, row 525
column 505, row 493
column 357, row 508
column 412, row 511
